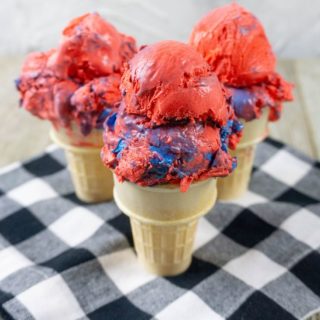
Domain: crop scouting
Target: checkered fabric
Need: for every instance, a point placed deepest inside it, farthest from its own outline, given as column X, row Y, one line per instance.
column 255, row 258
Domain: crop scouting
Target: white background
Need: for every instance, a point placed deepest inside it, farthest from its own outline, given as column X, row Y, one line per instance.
column 26, row 25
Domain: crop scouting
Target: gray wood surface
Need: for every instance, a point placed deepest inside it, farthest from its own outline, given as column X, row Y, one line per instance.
column 22, row 135
column 294, row 127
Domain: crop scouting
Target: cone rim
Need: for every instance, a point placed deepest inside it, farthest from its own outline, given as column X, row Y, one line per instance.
column 54, row 137
column 252, row 142
column 157, row 222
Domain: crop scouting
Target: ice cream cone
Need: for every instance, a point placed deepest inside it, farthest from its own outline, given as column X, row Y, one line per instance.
column 92, row 181
column 164, row 221
column 235, row 185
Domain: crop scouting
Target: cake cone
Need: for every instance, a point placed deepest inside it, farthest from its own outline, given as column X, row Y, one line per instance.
column 164, row 221
column 235, row 185
column 91, row 180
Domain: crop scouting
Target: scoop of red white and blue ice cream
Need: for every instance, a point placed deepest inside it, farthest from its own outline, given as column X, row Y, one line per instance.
column 79, row 80
column 174, row 124
column 235, row 45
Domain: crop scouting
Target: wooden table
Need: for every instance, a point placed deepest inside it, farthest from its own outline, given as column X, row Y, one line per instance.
column 23, row 135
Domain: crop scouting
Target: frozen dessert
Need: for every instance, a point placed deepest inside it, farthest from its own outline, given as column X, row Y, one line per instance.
column 76, row 86
column 166, row 144
column 234, row 43
column 174, row 123
column 95, row 100
column 79, row 80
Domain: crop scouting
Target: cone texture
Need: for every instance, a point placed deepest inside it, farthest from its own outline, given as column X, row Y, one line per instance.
column 164, row 222
column 164, row 250
column 92, row 181
column 235, row 185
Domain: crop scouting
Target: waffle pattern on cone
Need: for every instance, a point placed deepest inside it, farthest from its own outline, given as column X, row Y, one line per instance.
column 92, row 181
column 235, row 185
column 164, row 250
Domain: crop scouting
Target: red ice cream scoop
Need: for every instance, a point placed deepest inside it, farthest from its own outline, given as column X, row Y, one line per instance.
column 169, row 81
column 91, row 47
column 79, row 80
column 174, row 123
column 234, row 43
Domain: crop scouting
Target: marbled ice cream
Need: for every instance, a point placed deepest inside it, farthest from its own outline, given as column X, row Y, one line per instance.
column 174, row 123
column 234, row 43
column 79, row 80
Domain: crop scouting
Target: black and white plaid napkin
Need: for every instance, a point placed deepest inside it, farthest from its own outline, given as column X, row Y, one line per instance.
column 255, row 258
